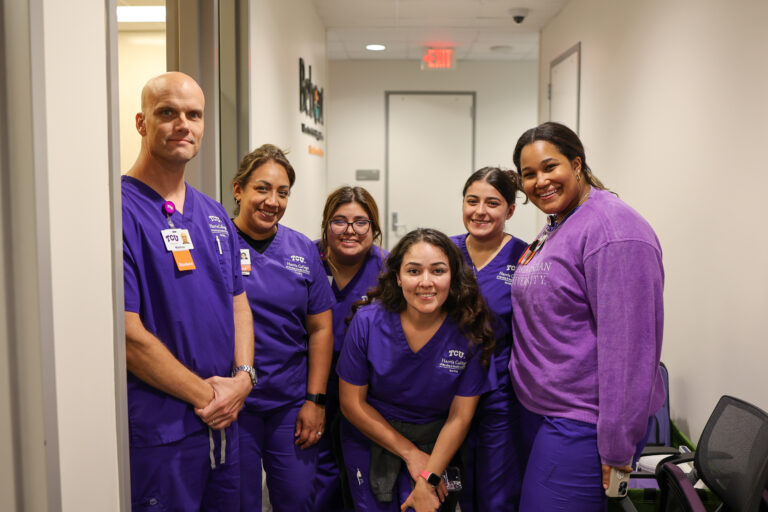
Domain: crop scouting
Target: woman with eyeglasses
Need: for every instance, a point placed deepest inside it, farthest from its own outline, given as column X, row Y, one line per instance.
column 352, row 259
column 291, row 300
column 588, row 315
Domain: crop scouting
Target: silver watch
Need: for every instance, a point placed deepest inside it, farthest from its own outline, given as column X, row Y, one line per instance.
column 248, row 369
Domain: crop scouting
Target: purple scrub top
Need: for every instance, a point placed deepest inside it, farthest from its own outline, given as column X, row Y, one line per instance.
column 287, row 282
column 356, row 289
column 403, row 385
column 191, row 312
column 495, row 282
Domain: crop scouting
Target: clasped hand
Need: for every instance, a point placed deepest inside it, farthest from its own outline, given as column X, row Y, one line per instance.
column 229, row 395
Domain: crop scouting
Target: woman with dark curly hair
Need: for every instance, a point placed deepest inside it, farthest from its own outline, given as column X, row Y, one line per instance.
column 412, row 368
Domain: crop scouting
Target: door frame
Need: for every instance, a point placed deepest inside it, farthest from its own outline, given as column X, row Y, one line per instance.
column 387, row 94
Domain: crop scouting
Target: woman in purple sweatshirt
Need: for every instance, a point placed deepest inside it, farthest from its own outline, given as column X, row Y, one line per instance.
column 588, row 321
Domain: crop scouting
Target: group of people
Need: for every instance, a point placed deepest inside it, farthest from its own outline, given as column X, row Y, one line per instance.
column 476, row 370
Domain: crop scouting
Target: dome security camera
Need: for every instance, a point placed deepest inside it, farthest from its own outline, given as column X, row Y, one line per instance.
column 518, row 15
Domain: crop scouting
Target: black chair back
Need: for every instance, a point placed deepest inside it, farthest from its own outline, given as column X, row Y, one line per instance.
column 732, row 454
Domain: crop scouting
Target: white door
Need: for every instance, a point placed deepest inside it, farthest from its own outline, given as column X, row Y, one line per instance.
column 430, row 156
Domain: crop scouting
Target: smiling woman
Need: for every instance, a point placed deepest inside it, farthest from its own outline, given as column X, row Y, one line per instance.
column 492, row 461
column 290, row 298
column 587, row 304
column 412, row 367
column 352, row 258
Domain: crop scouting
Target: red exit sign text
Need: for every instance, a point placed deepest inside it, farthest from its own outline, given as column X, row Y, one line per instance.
column 438, row 58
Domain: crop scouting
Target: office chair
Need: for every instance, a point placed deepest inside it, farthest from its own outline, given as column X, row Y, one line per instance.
column 731, row 459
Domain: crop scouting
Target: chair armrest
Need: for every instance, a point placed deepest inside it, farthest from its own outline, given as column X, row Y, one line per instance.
column 626, row 504
column 659, row 450
column 673, row 480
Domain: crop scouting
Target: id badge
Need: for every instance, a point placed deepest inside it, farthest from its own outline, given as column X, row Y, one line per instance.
column 177, row 240
column 245, row 262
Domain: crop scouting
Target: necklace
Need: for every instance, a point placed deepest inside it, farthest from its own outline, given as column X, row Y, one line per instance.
column 549, row 229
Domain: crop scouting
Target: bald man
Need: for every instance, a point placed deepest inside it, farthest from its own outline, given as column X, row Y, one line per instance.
column 188, row 326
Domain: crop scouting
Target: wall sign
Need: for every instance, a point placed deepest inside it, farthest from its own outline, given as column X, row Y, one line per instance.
column 310, row 96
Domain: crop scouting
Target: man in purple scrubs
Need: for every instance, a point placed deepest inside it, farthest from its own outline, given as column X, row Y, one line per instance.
column 188, row 330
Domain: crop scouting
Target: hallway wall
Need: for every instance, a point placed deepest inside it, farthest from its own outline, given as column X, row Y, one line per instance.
column 281, row 33
column 673, row 113
column 506, row 106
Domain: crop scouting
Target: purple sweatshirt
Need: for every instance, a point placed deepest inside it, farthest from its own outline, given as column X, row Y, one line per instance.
column 588, row 317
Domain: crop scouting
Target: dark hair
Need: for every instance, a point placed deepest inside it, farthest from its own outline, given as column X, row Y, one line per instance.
column 566, row 142
column 345, row 195
column 464, row 305
column 506, row 182
column 258, row 157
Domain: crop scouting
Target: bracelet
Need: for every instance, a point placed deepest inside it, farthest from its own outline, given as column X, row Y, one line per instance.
column 318, row 398
column 431, row 478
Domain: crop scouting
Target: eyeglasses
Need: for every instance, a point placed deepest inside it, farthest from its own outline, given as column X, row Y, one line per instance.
column 359, row 226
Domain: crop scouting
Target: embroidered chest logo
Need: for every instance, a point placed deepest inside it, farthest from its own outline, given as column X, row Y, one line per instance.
column 297, row 265
column 218, row 228
column 506, row 275
column 454, row 361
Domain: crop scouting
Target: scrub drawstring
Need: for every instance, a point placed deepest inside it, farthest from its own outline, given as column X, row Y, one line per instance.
column 223, row 449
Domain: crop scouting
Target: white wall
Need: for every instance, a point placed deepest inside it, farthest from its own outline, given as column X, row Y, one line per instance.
column 281, row 32
column 78, row 168
column 141, row 56
column 506, row 106
column 673, row 111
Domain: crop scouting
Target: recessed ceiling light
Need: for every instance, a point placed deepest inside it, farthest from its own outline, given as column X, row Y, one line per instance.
column 141, row 13
column 375, row 47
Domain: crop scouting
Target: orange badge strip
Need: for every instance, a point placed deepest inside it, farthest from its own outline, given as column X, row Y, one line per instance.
column 183, row 260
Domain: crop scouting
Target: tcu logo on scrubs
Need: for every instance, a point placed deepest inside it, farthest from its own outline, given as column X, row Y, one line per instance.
column 214, row 218
column 454, row 361
column 297, row 258
column 510, row 268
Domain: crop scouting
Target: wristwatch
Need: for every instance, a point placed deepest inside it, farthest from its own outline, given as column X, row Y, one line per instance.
column 318, row 398
column 248, row 369
column 431, row 478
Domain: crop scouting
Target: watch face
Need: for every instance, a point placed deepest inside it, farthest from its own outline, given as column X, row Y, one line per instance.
column 433, row 480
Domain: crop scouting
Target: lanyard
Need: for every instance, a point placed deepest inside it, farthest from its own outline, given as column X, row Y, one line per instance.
column 168, row 209
column 545, row 233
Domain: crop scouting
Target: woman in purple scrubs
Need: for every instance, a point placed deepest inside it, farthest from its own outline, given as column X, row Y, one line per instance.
column 412, row 368
column 587, row 302
column 352, row 262
column 492, row 466
column 291, row 301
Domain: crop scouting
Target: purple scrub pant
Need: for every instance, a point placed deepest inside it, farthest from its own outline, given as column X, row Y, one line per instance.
column 327, row 487
column 357, row 459
column 178, row 476
column 563, row 471
column 268, row 437
column 493, row 472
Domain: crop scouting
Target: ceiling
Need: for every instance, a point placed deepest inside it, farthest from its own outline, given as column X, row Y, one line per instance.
column 475, row 29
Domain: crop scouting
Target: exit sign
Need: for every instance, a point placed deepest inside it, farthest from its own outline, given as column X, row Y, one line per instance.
column 437, row 58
